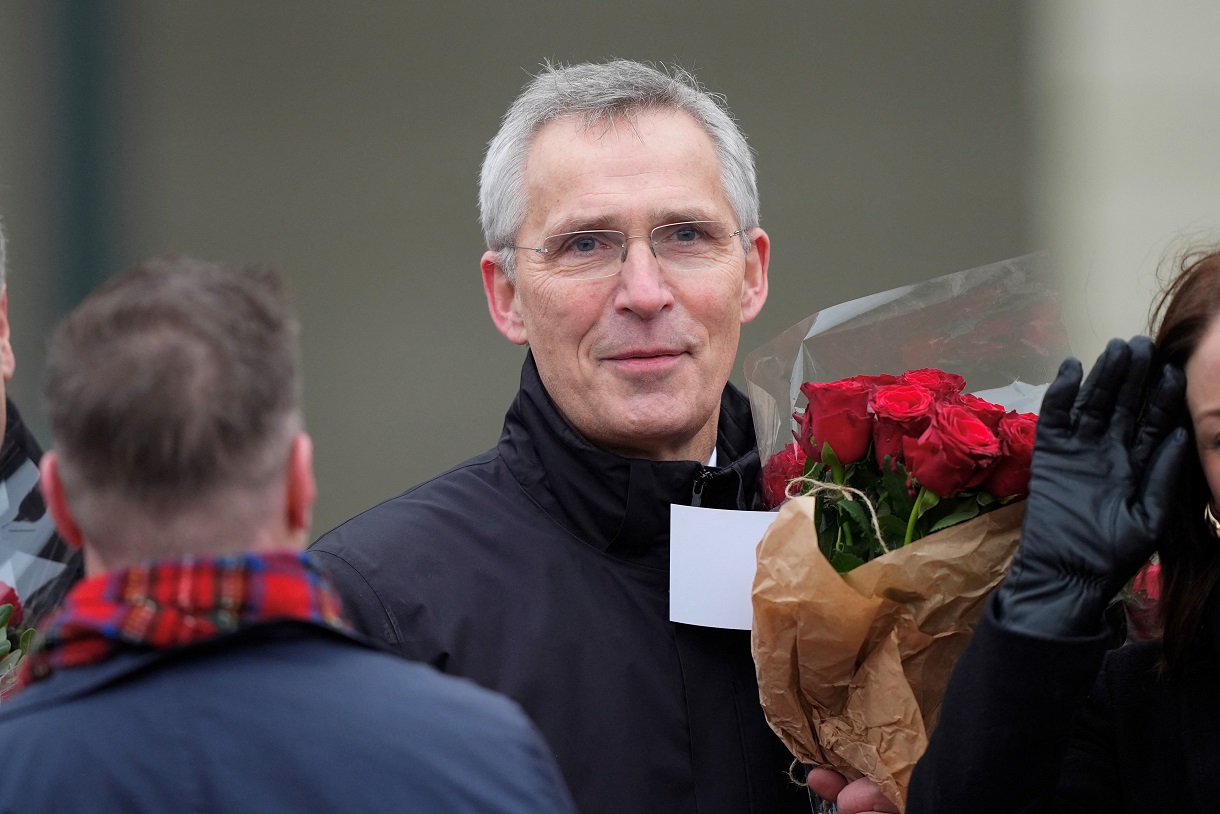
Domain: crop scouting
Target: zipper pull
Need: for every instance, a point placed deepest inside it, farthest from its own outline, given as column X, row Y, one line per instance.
column 705, row 474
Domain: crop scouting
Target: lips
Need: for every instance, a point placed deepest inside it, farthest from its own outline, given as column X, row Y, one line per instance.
column 644, row 353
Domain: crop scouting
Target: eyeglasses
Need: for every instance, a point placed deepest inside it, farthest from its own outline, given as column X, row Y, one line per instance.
column 688, row 246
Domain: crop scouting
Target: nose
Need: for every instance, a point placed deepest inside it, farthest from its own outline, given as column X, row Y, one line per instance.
column 642, row 287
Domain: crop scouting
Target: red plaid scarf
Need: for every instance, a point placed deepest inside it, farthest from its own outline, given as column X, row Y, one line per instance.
column 179, row 602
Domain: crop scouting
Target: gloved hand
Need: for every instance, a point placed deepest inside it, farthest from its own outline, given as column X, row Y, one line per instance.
column 1100, row 482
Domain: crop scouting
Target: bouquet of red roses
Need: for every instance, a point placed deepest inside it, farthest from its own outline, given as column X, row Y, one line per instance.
column 16, row 641
column 892, row 459
column 904, row 507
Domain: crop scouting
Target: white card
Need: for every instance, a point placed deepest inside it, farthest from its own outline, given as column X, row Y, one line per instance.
column 711, row 565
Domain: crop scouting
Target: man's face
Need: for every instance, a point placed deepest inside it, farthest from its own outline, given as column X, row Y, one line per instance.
column 635, row 362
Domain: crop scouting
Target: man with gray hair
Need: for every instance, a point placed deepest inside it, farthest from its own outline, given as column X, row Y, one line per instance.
column 620, row 209
column 204, row 664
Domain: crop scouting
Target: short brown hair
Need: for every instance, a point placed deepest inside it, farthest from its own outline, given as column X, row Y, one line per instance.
column 175, row 379
column 1190, row 556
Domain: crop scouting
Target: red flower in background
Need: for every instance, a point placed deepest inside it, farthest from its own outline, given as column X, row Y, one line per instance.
column 1010, row 476
column 938, row 381
column 900, row 410
column 837, row 414
column 954, row 453
column 781, row 467
column 8, row 595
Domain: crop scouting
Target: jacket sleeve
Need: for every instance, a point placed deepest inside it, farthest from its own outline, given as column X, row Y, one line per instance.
column 1008, row 725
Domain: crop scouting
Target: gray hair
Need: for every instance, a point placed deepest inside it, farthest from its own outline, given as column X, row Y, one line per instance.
column 597, row 93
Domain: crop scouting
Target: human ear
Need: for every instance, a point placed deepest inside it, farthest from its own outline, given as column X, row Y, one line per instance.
column 52, row 488
column 301, row 487
column 754, row 282
column 502, row 299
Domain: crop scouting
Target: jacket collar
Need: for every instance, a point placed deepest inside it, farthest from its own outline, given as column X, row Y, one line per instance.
column 615, row 504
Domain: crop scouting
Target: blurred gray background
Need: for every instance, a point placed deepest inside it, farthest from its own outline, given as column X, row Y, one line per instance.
column 341, row 141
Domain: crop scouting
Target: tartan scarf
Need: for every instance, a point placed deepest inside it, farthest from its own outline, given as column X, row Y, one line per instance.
column 173, row 603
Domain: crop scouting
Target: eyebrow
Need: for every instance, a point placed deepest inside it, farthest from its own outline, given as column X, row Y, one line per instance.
column 657, row 217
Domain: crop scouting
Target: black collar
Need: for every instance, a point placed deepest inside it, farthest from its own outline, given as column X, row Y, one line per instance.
column 621, row 505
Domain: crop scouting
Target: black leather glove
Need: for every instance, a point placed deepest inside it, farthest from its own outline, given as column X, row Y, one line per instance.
column 1102, row 473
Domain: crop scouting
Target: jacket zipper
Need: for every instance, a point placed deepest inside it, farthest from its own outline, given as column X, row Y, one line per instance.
column 705, row 474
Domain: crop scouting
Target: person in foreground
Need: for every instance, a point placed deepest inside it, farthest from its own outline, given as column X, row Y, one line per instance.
column 204, row 664
column 1020, row 728
column 620, row 210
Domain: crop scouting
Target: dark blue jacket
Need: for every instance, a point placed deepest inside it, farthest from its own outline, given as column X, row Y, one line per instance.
column 281, row 717
column 540, row 569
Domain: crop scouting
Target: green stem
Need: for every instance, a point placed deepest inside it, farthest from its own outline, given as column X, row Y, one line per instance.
column 914, row 516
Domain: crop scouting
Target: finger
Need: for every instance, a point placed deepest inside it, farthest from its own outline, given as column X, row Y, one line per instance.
column 863, row 795
column 1056, row 411
column 1131, row 390
column 1095, row 403
column 1164, row 411
column 1152, row 504
column 826, row 783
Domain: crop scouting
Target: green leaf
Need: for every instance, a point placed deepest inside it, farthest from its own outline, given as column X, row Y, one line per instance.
column 857, row 513
column 966, row 512
column 986, row 499
column 5, row 646
column 929, row 501
column 27, row 639
column 9, row 662
column 844, row 561
column 6, row 612
column 894, row 486
column 894, row 528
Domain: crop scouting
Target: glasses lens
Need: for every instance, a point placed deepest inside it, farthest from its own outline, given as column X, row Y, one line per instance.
column 693, row 244
column 583, row 255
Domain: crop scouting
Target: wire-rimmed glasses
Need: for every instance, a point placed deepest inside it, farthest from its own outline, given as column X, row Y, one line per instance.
column 589, row 254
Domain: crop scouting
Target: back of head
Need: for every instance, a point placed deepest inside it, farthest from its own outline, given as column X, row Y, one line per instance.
column 172, row 383
column 600, row 94
column 1190, row 555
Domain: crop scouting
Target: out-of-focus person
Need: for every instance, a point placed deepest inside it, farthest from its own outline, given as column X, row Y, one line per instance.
column 204, row 664
column 36, row 566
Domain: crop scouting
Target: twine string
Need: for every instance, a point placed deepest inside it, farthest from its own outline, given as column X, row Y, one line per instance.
column 813, row 486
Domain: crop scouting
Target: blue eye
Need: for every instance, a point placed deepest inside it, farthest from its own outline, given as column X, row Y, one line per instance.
column 584, row 243
column 687, row 234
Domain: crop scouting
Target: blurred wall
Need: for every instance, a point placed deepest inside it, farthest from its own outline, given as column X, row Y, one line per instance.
column 1126, row 169
column 342, row 141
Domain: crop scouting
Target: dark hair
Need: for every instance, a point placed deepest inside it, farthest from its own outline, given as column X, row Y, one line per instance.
column 174, row 379
column 1190, row 555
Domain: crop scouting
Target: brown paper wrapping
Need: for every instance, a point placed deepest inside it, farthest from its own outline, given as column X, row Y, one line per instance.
column 852, row 668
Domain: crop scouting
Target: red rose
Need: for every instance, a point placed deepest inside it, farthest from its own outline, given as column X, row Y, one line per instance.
column 8, row 595
column 987, row 412
column 837, row 414
column 781, row 467
column 901, row 411
column 879, row 380
column 1010, row 476
column 954, row 453
column 935, row 379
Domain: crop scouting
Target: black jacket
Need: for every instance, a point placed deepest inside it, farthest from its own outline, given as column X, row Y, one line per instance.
column 541, row 569
column 1021, row 731
column 46, row 566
